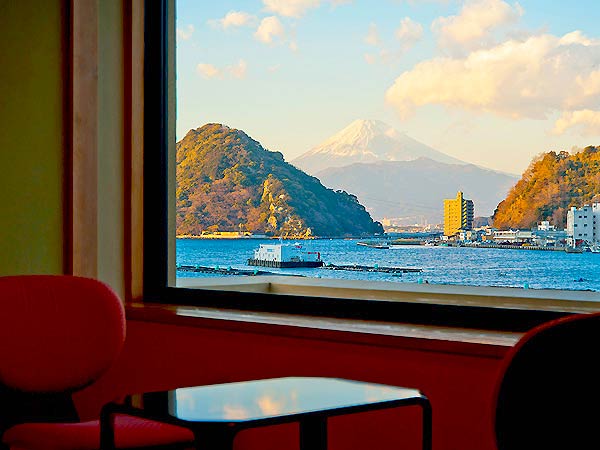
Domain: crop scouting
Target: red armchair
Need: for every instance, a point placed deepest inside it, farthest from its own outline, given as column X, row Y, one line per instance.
column 549, row 389
column 59, row 334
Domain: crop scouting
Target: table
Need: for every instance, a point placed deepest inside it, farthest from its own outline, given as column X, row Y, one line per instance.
column 216, row 413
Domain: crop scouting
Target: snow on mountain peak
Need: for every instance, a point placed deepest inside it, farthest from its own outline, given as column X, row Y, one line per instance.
column 366, row 141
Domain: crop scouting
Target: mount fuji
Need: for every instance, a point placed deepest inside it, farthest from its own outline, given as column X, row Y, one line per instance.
column 367, row 141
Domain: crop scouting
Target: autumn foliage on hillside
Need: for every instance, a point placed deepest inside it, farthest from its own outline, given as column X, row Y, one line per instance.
column 549, row 187
column 227, row 181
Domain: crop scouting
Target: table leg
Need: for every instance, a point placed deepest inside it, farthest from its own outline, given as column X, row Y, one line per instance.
column 217, row 438
column 427, row 429
column 313, row 433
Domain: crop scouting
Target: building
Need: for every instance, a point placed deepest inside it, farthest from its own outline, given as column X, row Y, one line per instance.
column 583, row 224
column 513, row 236
column 544, row 225
column 458, row 214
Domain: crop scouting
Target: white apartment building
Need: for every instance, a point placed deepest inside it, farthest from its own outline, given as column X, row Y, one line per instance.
column 583, row 224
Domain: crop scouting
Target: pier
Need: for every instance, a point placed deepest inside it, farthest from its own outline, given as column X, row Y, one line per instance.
column 512, row 247
column 226, row 271
column 358, row 268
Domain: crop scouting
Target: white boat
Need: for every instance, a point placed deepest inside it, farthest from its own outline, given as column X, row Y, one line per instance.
column 569, row 249
column 284, row 256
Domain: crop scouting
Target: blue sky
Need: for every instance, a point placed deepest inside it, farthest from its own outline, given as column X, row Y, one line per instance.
column 487, row 81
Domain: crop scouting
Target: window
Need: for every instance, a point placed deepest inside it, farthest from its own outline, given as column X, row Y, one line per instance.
column 252, row 77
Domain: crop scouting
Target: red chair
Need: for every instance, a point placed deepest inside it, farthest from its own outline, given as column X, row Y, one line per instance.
column 58, row 335
column 549, row 392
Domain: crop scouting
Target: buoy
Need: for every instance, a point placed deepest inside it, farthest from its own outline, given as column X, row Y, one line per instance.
column 228, row 268
column 526, row 286
column 376, row 266
column 420, row 281
column 255, row 272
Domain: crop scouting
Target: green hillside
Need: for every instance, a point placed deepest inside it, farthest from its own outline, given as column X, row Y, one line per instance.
column 549, row 187
column 227, row 181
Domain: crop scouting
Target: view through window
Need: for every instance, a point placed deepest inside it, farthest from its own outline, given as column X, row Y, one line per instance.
column 442, row 142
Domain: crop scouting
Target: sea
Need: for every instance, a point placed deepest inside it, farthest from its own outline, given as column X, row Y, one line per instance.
column 529, row 269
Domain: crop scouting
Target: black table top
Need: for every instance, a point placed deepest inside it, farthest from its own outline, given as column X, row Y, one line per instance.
column 279, row 398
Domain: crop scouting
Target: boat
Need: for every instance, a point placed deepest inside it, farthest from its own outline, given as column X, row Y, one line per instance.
column 284, row 256
column 373, row 245
column 570, row 249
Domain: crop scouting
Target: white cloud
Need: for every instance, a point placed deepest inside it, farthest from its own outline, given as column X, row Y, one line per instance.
column 208, row 70
column 586, row 120
column 235, row 19
column 185, row 33
column 269, row 28
column 336, row 3
column 239, row 70
column 477, row 18
column 372, row 37
column 531, row 78
column 274, row 68
column 370, row 58
column 290, row 8
column 409, row 33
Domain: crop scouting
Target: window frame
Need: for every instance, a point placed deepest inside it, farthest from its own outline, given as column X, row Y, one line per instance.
column 158, row 244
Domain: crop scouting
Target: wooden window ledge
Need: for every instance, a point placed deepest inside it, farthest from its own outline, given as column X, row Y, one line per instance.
column 483, row 343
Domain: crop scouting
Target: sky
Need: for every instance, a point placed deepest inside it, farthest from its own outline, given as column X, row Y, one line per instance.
column 490, row 82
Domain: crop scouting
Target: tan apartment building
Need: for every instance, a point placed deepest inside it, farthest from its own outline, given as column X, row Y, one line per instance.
column 458, row 214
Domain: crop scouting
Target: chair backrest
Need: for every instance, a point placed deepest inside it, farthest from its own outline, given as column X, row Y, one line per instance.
column 57, row 333
column 549, row 384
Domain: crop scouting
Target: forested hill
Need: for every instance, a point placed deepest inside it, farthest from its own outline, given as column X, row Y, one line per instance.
column 228, row 181
column 549, row 187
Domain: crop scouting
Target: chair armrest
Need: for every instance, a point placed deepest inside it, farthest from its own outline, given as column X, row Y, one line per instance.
column 107, row 428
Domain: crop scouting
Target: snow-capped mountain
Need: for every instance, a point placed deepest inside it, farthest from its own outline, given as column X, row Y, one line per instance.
column 367, row 141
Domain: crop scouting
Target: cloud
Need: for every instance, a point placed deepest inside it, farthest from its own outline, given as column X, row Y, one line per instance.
column 269, row 28
column 372, row 37
column 409, row 33
column 586, row 120
column 471, row 27
column 290, row 8
column 234, row 19
column 336, row 3
column 370, row 58
column 274, row 68
column 238, row 70
column 208, row 70
column 185, row 33
column 531, row 78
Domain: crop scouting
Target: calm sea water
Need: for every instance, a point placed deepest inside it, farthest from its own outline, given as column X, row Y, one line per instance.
column 441, row 265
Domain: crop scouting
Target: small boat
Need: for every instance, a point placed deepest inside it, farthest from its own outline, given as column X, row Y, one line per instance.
column 373, row 245
column 569, row 249
column 284, row 256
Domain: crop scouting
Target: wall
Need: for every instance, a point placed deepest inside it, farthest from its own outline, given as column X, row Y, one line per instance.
column 460, row 386
column 32, row 116
column 110, row 217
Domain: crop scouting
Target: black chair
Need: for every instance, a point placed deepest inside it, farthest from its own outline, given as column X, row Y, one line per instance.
column 548, row 396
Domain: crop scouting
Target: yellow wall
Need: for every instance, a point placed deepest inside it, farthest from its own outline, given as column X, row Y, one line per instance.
column 31, row 137
column 110, row 144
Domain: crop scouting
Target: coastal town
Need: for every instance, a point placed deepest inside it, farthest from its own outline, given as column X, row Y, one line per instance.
column 461, row 228
column 582, row 232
